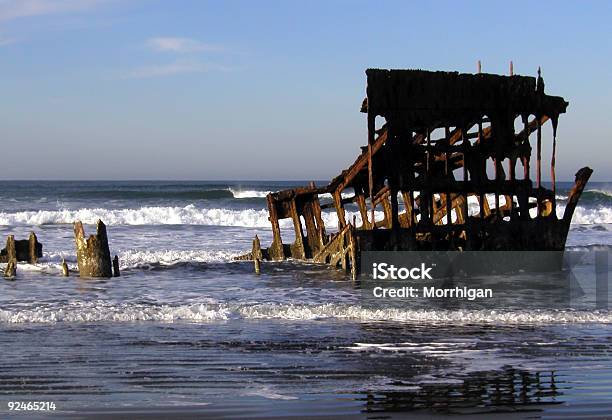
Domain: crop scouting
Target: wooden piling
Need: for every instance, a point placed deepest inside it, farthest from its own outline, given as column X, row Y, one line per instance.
column 32, row 251
column 256, row 251
column 116, row 272
column 11, row 258
column 11, row 249
column 257, row 254
column 65, row 271
column 11, row 269
column 93, row 254
column 28, row 250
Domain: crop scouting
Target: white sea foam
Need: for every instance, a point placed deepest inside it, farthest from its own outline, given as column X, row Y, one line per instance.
column 249, row 193
column 48, row 267
column 102, row 311
column 262, row 194
column 51, row 263
column 192, row 215
column 188, row 215
column 594, row 216
column 344, row 195
column 142, row 259
column 353, row 312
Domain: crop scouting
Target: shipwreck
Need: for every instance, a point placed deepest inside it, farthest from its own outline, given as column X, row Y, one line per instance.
column 449, row 168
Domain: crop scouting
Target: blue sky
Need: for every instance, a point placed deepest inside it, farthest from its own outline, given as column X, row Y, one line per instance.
column 149, row 89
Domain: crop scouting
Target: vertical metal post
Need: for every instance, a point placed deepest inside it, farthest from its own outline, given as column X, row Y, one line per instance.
column 526, row 174
column 481, row 196
column 465, row 143
column 539, row 165
column 449, row 199
column 429, row 196
column 371, row 132
column 553, row 176
column 539, row 154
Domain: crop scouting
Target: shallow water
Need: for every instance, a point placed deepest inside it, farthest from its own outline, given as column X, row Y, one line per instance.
column 185, row 327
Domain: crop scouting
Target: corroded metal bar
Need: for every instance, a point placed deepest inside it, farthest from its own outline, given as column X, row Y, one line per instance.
column 539, row 154
column 553, row 175
column 539, row 166
column 582, row 177
column 363, row 211
column 339, row 208
column 449, row 215
column 371, row 129
column 276, row 250
column 297, row 248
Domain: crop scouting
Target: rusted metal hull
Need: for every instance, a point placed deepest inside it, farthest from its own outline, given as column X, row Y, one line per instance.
column 448, row 139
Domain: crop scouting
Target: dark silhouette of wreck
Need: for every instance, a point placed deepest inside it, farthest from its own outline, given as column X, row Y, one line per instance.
column 448, row 138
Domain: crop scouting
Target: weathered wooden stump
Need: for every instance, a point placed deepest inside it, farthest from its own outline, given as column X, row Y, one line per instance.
column 11, row 258
column 11, row 270
column 65, row 271
column 33, row 248
column 10, row 251
column 256, row 254
column 93, row 254
column 116, row 272
column 29, row 250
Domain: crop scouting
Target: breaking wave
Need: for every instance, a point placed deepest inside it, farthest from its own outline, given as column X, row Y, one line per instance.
column 193, row 215
column 188, row 215
column 592, row 216
column 595, row 196
column 102, row 311
column 262, row 194
column 248, row 193
column 591, row 197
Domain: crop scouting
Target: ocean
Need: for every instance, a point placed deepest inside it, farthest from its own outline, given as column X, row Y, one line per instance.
column 187, row 330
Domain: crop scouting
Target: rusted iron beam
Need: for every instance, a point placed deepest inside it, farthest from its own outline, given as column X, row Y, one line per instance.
column 342, row 180
column 297, row 248
column 276, row 250
column 582, row 177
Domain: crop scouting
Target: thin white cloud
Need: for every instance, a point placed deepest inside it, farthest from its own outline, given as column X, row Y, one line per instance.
column 14, row 9
column 174, row 69
column 180, row 45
